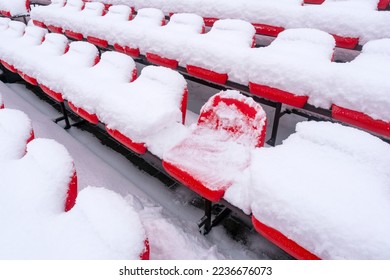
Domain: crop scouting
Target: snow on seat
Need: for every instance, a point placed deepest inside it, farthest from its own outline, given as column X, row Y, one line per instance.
column 101, row 28
column 4, row 23
column 27, row 61
column 218, row 149
column 155, row 100
column 55, row 18
column 8, row 36
column 32, row 36
column 211, row 56
column 51, row 72
column 101, row 225
column 128, row 35
column 11, row 8
column 283, row 71
column 15, row 132
column 361, row 96
column 369, row 4
column 163, row 46
column 337, row 207
column 83, row 89
column 40, row 13
column 76, row 22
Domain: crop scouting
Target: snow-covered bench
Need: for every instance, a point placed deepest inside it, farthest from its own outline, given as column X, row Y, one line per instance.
column 337, row 207
column 351, row 22
column 12, row 8
column 32, row 218
column 218, row 147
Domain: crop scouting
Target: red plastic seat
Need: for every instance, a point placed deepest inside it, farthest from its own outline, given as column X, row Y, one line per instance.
column 229, row 127
column 361, row 120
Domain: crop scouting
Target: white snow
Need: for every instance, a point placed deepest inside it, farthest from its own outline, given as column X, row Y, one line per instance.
column 34, row 226
column 166, row 216
column 325, row 182
column 345, row 18
column 154, row 98
column 15, row 7
column 15, row 131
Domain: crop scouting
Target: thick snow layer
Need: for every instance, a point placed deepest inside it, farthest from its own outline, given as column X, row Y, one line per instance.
column 217, row 49
column 102, row 27
column 288, row 63
column 168, row 41
column 77, row 21
column 154, row 98
column 15, row 30
column 130, row 33
column 33, row 36
column 4, row 23
column 167, row 215
column 344, row 18
column 28, row 60
column 15, row 131
column 15, row 7
column 102, row 225
column 57, row 12
column 80, row 55
column 343, row 189
column 85, row 88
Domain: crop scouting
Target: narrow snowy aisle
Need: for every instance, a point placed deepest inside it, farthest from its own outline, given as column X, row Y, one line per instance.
column 168, row 216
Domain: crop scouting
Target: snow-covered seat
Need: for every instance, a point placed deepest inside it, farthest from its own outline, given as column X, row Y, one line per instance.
column 219, row 147
column 56, row 18
column 378, row 4
column 360, row 96
column 26, row 62
column 76, row 22
column 83, row 89
column 32, row 218
column 32, row 36
column 211, row 56
column 163, row 46
column 14, row 31
column 15, row 132
column 155, row 100
column 337, row 207
column 39, row 13
column 281, row 71
column 51, row 72
column 101, row 28
column 128, row 35
column 10, row 8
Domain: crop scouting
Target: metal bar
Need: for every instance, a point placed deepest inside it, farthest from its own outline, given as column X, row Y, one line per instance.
column 65, row 114
column 275, row 125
